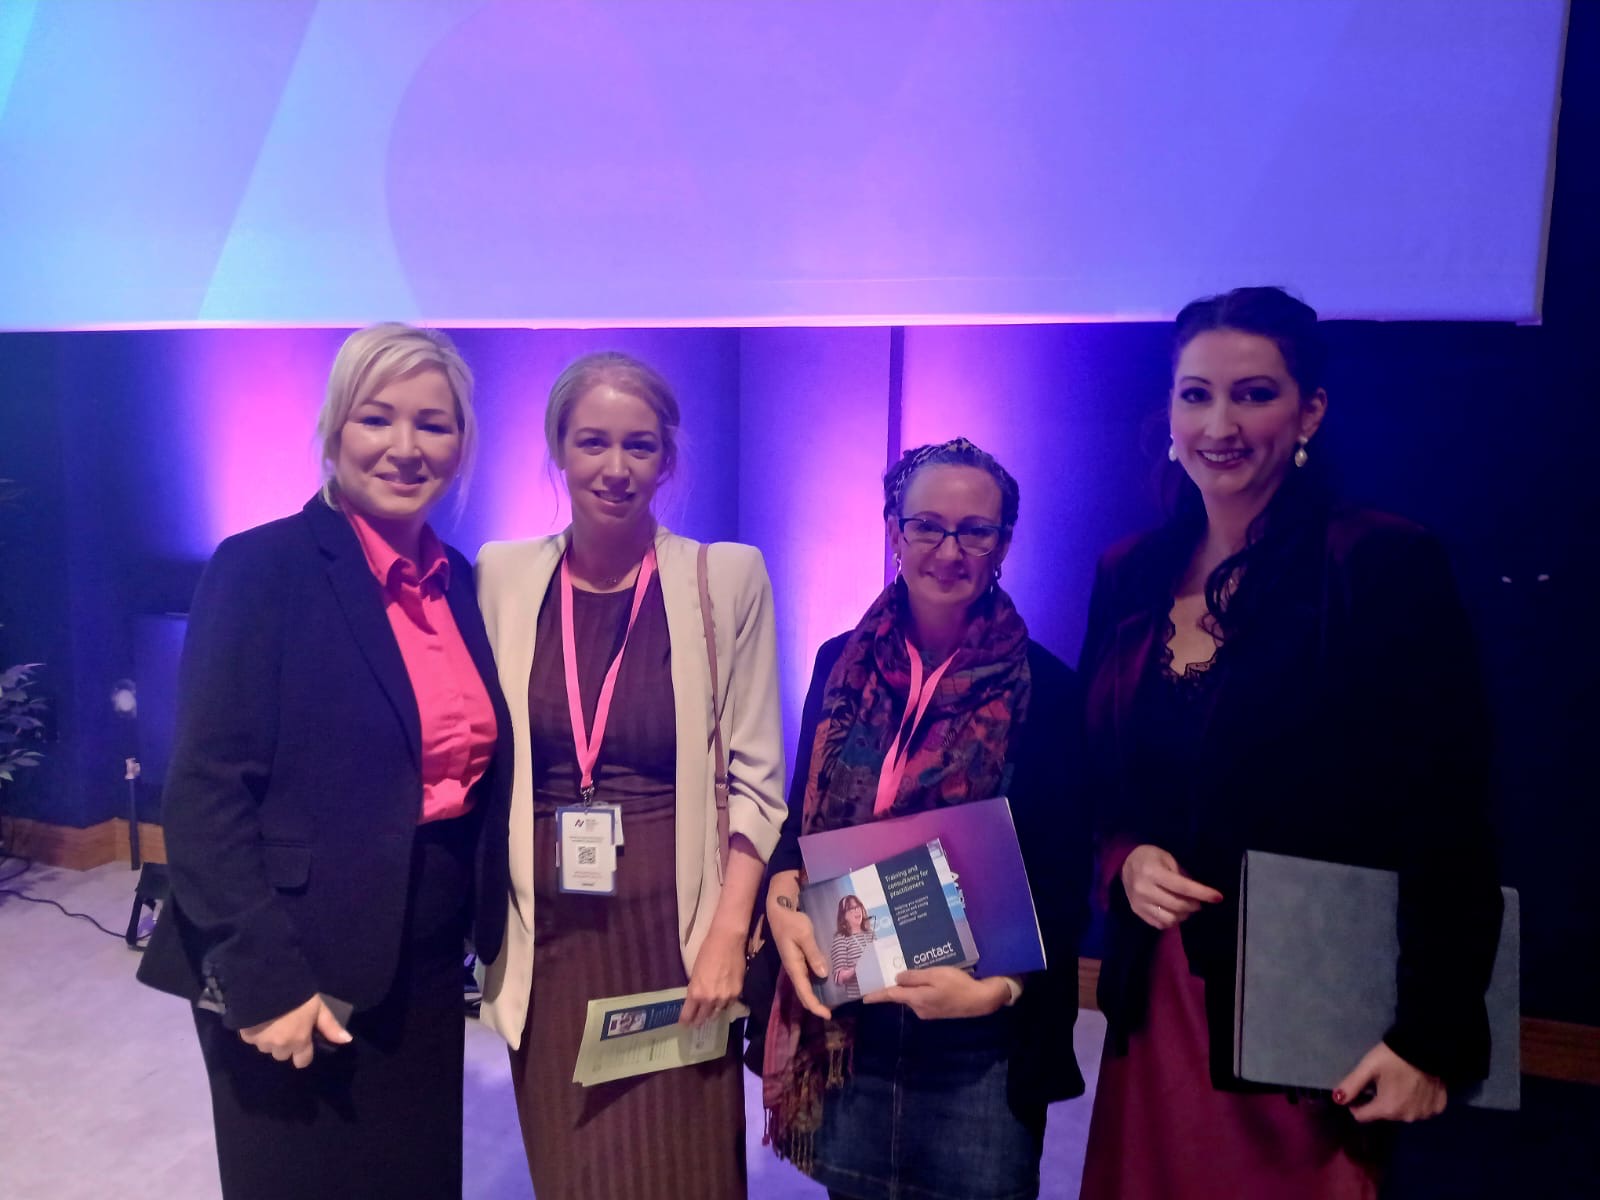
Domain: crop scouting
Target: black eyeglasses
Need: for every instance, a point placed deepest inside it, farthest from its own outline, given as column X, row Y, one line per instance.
column 976, row 540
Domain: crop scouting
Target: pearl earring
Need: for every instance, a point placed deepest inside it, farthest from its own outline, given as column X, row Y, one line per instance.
column 1300, row 455
column 1172, row 451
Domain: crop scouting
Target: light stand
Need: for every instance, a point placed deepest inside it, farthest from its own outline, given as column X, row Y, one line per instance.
column 125, row 703
column 151, row 890
column 130, row 772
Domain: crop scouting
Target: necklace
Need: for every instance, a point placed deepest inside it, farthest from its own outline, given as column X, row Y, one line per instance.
column 608, row 582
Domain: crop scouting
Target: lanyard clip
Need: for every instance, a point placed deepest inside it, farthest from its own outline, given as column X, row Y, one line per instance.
column 586, row 793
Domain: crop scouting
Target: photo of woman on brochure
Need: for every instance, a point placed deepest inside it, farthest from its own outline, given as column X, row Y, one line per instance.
column 851, row 935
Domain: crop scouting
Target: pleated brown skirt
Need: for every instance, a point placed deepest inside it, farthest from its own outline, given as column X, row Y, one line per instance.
column 675, row 1134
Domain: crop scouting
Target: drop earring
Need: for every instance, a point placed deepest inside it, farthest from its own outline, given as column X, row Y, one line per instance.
column 1300, row 455
column 1172, row 451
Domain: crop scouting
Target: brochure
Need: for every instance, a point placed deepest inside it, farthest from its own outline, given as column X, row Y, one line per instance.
column 981, row 841
column 904, row 912
column 638, row 1034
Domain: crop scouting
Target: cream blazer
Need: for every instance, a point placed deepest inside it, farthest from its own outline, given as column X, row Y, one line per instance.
column 512, row 580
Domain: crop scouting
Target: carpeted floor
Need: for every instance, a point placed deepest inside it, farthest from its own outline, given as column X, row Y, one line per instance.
column 102, row 1093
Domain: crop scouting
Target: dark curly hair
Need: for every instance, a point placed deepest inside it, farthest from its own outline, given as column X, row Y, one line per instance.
column 1267, row 312
column 957, row 452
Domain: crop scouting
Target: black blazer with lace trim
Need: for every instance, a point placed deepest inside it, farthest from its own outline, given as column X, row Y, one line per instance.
column 1348, row 724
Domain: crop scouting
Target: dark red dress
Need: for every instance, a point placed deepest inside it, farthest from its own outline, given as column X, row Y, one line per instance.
column 1160, row 1129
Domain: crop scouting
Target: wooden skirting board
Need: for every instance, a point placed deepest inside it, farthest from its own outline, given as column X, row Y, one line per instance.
column 1550, row 1049
column 1560, row 1050
column 82, row 849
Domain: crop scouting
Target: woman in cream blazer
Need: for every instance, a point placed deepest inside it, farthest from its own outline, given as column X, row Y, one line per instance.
column 509, row 574
column 612, row 428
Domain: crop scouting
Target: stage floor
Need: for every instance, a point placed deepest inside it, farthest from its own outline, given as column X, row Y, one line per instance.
column 102, row 1091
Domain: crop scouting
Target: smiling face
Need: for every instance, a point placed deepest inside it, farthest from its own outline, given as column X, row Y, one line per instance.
column 399, row 450
column 1237, row 416
column 943, row 576
column 612, row 457
column 852, row 915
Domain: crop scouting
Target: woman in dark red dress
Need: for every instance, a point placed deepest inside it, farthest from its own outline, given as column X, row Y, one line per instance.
column 1273, row 671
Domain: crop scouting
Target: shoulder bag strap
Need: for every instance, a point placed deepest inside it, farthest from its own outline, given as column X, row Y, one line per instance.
column 721, row 779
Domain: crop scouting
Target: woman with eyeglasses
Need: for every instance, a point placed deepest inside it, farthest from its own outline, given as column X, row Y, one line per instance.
column 937, row 1085
column 852, row 934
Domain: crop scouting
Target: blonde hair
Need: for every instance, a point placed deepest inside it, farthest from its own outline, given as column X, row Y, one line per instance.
column 373, row 358
column 628, row 375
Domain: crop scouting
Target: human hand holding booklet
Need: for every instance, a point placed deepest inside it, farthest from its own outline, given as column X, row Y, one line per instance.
column 639, row 1034
column 934, row 888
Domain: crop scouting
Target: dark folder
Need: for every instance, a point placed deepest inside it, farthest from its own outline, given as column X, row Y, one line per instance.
column 1316, row 977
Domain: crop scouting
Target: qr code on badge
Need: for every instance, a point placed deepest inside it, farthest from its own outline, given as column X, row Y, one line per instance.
column 586, row 856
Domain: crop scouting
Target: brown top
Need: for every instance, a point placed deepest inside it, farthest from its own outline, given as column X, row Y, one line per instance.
column 623, row 1140
column 638, row 758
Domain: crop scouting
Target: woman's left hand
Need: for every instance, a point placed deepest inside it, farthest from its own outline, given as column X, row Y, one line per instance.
column 1402, row 1092
column 718, row 976
column 937, row 993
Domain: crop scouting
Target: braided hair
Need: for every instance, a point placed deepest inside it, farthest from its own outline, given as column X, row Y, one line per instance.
column 957, row 452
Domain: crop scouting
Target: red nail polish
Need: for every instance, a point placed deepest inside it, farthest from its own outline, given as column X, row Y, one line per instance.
column 1338, row 1095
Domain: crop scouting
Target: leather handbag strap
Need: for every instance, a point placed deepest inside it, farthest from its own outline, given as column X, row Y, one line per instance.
column 721, row 780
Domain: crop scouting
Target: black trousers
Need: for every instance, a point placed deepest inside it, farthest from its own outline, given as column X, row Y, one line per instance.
column 380, row 1117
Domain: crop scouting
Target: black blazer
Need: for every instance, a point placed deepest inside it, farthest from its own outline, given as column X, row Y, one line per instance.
column 1053, row 827
column 1348, row 724
column 291, row 802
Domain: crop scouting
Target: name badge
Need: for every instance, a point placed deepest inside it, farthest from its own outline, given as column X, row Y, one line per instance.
column 586, row 850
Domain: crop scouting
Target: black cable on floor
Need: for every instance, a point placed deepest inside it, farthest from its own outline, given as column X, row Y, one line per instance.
column 28, row 866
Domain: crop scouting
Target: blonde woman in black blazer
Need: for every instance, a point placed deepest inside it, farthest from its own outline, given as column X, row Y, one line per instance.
column 337, row 782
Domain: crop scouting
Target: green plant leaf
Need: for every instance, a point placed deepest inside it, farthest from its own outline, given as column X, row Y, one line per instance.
column 20, row 673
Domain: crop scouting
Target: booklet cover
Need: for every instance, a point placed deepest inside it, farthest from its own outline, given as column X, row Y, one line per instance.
column 904, row 912
column 980, row 839
column 1316, row 981
column 632, row 1035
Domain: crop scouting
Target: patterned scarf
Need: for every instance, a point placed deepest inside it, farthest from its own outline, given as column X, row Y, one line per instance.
column 958, row 754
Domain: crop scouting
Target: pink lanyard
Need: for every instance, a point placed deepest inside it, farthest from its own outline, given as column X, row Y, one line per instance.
column 588, row 748
column 894, row 766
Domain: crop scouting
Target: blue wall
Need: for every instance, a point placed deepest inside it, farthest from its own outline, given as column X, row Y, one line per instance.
column 140, row 450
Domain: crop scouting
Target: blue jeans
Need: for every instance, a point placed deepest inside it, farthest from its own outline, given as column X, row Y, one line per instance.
column 924, row 1114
